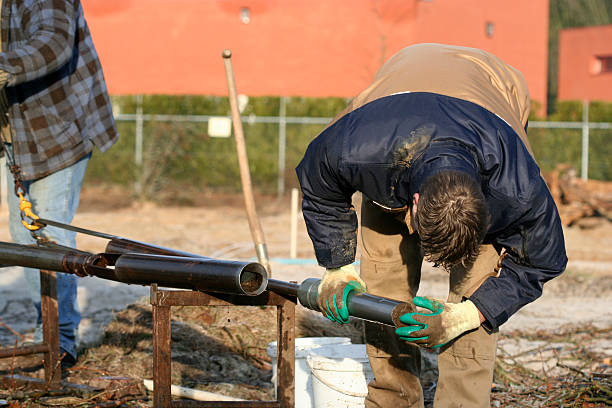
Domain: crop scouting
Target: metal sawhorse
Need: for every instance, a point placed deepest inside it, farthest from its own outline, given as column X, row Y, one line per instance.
column 162, row 300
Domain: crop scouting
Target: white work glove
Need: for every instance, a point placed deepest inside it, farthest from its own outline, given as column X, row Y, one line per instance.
column 334, row 289
column 445, row 322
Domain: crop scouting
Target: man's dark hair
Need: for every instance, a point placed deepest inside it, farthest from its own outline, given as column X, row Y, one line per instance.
column 451, row 219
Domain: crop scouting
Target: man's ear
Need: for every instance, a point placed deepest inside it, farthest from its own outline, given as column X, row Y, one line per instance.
column 411, row 213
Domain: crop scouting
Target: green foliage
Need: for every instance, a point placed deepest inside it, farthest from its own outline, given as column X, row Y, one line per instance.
column 568, row 111
column 183, row 154
column 600, row 111
column 315, row 107
column 571, row 111
column 116, row 166
column 554, row 146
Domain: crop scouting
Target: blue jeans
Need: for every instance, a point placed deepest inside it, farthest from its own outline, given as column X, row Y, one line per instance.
column 54, row 197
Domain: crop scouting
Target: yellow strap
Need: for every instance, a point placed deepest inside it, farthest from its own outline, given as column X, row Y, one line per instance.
column 26, row 210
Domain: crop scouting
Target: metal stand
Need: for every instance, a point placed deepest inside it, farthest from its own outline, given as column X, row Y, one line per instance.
column 162, row 300
column 50, row 345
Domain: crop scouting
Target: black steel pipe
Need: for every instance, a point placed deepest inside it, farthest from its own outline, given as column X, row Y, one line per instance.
column 283, row 288
column 40, row 258
column 213, row 275
column 361, row 305
column 209, row 275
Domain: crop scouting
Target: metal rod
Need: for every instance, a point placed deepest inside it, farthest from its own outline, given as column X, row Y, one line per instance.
column 123, row 246
column 69, row 227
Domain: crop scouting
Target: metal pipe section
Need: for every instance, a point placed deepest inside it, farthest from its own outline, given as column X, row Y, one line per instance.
column 180, row 270
column 362, row 305
column 39, row 258
column 123, row 246
column 248, row 278
column 283, row 288
column 208, row 275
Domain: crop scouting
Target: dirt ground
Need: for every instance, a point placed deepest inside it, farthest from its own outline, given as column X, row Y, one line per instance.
column 548, row 337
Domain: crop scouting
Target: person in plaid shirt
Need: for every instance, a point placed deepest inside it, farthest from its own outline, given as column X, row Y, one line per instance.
column 54, row 108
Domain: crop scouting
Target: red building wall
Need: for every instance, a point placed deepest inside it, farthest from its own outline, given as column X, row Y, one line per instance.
column 300, row 47
column 585, row 63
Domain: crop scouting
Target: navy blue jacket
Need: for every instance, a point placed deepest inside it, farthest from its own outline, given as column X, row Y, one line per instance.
column 387, row 148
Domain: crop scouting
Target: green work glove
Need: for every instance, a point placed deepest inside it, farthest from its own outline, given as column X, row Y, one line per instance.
column 445, row 322
column 334, row 289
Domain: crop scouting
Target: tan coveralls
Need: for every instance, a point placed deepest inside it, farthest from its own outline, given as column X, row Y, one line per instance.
column 391, row 258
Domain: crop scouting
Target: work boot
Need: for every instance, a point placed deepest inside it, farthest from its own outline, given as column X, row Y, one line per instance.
column 68, row 361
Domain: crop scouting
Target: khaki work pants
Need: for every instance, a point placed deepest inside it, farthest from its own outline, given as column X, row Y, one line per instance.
column 391, row 266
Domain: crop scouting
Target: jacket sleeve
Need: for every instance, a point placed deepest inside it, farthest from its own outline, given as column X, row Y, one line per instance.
column 330, row 217
column 49, row 27
column 535, row 254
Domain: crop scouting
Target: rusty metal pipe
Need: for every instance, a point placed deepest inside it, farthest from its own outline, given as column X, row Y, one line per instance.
column 205, row 274
column 39, row 258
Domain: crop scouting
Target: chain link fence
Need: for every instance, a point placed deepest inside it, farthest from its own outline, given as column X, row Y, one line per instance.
column 165, row 153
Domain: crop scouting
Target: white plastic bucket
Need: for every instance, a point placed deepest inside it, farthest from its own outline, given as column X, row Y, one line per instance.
column 340, row 375
column 303, row 381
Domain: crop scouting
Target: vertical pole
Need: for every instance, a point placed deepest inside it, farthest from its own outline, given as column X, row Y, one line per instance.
column 282, row 145
column 138, row 144
column 162, row 358
column 3, row 185
column 48, row 306
column 294, row 215
column 285, row 363
column 585, row 140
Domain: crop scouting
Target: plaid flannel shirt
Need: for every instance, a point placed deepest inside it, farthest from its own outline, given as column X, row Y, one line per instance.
column 59, row 107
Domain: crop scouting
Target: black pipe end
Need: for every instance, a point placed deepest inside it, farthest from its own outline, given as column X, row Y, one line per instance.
column 253, row 279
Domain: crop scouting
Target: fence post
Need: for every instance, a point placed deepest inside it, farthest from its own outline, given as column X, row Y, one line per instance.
column 282, row 145
column 294, row 221
column 3, row 185
column 585, row 140
column 138, row 145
